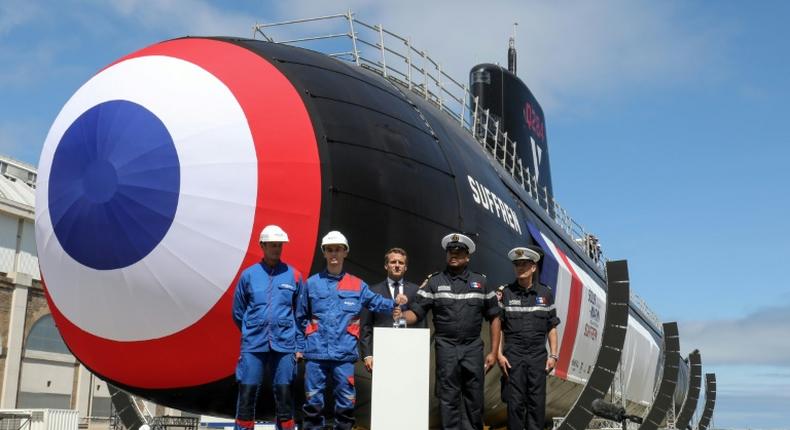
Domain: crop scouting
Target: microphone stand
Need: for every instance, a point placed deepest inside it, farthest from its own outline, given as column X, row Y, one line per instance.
column 614, row 413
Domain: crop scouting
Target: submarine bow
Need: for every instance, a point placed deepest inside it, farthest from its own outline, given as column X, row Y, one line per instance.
column 158, row 174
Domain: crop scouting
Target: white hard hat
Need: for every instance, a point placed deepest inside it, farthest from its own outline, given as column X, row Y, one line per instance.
column 458, row 239
column 273, row 233
column 334, row 238
column 523, row 253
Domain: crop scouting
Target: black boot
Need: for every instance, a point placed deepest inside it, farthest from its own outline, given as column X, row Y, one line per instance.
column 344, row 419
column 284, row 407
column 245, row 406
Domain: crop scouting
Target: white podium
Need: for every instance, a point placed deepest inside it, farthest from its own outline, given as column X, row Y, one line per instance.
column 401, row 377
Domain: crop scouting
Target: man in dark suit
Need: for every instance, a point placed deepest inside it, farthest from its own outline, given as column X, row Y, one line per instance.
column 395, row 263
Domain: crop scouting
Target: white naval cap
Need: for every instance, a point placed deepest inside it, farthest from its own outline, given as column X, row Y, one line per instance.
column 523, row 253
column 458, row 239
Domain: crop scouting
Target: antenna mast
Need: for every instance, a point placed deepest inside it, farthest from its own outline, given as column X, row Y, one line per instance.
column 511, row 51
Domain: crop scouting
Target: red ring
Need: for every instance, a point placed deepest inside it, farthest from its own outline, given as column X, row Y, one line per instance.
column 289, row 195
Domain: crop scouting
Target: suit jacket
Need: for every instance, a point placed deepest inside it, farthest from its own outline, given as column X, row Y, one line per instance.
column 368, row 320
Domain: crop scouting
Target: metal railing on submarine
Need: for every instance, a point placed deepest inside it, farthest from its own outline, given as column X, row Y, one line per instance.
column 395, row 58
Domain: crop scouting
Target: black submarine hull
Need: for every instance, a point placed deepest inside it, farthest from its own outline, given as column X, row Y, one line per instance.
column 395, row 171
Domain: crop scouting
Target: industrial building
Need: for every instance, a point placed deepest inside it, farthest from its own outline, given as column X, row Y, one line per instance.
column 38, row 369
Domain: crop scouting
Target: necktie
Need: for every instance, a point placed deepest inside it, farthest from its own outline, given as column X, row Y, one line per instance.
column 395, row 286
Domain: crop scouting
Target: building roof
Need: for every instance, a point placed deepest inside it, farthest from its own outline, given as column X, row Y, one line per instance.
column 17, row 186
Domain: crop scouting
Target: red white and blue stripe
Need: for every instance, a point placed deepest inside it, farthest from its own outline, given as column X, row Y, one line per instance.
column 154, row 182
column 575, row 293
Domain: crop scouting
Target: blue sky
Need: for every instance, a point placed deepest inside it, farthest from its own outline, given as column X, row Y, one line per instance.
column 667, row 128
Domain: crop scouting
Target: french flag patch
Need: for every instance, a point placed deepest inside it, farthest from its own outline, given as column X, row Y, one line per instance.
column 475, row 286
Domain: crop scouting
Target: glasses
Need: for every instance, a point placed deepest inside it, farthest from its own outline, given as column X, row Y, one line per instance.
column 456, row 248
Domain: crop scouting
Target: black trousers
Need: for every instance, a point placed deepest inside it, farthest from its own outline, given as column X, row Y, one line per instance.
column 459, row 383
column 524, row 390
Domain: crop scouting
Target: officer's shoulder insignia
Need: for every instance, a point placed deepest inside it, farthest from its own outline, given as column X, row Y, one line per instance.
column 501, row 287
column 427, row 278
column 481, row 274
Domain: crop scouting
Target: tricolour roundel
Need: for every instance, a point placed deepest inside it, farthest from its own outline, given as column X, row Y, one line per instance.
column 114, row 178
column 154, row 182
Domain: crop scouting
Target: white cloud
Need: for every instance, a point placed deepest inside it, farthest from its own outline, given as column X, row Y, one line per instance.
column 762, row 407
column 14, row 13
column 25, row 66
column 20, row 64
column 22, row 139
column 759, row 338
column 199, row 18
column 572, row 53
column 568, row 51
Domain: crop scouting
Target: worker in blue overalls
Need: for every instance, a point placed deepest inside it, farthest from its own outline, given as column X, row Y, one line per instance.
column 263, row 308
column 328, row 315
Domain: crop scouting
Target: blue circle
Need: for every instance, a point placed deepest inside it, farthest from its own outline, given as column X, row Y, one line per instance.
column 100, row 181
column 114, row 185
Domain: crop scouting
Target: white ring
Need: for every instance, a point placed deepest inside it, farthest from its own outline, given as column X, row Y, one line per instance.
column 199, row 256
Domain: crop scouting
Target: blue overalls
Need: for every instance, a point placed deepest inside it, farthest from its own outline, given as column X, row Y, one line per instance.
column 328, row 314
column 263, row 309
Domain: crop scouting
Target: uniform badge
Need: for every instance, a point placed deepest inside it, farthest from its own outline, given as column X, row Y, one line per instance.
column 455, row 238
column 541, row 301
column 475, row 286
column 519, row 253
column 288, row 287
column 445, row 288
column 425, row 282
column 514, row 303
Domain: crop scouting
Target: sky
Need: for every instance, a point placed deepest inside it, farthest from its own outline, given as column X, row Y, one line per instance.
column 666, row 122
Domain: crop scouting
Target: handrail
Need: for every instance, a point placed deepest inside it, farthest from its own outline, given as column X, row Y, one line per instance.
column 396, row 59
column 642, row 306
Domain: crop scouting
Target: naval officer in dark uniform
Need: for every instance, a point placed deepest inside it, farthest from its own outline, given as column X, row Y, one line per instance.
column 529, row 318
column 395, row 263
column 459, row 299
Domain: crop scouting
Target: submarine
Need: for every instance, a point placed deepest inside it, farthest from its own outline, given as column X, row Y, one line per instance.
column 158, row 174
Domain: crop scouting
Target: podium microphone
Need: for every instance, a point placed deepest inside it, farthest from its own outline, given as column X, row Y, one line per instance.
column 613, row 412
column 608, row 410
